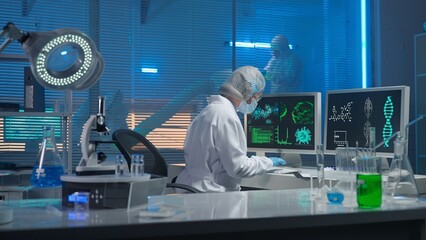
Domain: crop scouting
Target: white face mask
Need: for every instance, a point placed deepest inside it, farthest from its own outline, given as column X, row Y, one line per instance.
column 247, row 108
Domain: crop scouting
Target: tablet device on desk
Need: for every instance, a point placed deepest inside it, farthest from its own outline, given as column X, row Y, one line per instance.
column 287, row 170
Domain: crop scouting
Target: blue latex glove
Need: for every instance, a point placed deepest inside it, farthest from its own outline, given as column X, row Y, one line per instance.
column 276, row 161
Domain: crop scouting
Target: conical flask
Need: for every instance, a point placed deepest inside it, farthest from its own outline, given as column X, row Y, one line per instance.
column 400, row 182
column 48, row 168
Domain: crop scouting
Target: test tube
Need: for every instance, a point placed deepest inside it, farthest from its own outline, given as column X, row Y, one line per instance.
column 119, row 167
column 320, row 165
column 372, row 138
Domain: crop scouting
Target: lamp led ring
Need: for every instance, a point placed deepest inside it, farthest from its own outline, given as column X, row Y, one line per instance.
column 78, row 70
column 61, row 59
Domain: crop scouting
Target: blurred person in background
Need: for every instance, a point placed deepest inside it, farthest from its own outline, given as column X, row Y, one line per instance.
column 283, row 69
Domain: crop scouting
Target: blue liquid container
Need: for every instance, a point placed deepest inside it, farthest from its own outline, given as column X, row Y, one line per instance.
column 335, row 197
column 48, row 176
column 48, row 169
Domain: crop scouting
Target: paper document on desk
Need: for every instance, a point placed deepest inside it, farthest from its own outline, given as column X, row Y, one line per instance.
column 282, row 170
column 329, row 173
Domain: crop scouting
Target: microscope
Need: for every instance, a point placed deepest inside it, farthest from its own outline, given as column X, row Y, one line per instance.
column 90, row 163
column 106, row 190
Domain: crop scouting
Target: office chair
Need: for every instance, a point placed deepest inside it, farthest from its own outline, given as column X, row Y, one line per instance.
column 130, row 142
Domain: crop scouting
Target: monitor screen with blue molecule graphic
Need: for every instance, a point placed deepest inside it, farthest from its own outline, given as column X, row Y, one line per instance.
column 285, row 123
column 351, row 114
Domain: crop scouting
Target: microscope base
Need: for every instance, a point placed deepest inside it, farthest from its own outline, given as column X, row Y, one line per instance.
column 95, row 170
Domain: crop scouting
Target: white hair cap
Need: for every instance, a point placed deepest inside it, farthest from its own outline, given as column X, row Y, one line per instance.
column 243, row 83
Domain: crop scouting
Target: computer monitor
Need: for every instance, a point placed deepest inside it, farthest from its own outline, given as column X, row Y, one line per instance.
column 29, row 128
column 285, row 123
column 351, row 113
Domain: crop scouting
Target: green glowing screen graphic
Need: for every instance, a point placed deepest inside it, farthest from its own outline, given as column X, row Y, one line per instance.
column 283, row 122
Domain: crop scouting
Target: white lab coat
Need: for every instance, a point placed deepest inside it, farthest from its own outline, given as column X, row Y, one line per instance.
column 216, row 150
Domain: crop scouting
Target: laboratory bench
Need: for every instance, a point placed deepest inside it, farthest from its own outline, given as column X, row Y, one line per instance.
column 290, row 209
column 272, row 214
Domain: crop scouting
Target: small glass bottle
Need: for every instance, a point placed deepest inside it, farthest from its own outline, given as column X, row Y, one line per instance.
column 48, row 168
column 137, row 167
column 119, row 166
column 134, row 167
column 141, row 166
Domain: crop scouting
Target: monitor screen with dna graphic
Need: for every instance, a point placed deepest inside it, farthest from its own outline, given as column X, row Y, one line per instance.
column 351, row 113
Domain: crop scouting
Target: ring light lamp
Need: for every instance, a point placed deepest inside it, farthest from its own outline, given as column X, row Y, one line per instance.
column 60, row 59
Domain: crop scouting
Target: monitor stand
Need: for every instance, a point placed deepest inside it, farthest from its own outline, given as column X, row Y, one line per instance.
column 292, row 159
column 260, row 153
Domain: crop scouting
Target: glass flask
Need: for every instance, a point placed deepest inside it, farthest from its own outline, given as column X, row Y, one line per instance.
column 400, row 183
column 48, row 168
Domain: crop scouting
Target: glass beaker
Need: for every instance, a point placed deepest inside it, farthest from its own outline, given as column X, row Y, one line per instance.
column 400, row 182
column 369, row 182
column 48, row 168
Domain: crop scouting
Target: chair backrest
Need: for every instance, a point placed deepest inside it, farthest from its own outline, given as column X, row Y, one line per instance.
column 130, row 142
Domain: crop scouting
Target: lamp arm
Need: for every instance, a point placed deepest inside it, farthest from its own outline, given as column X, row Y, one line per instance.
column 13, row 33
column 5, row 44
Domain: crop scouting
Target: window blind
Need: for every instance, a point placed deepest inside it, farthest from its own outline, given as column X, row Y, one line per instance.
column 164, row 58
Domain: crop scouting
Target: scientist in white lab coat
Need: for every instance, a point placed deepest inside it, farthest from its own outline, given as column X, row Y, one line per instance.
column 215, row 147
